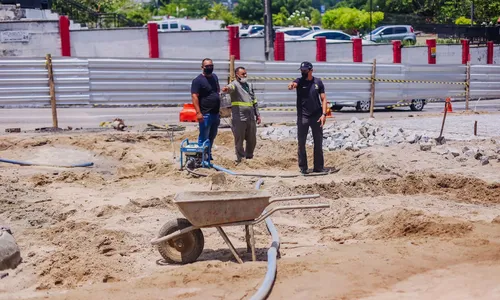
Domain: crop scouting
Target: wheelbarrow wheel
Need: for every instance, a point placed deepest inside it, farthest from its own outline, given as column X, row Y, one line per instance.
column 183, row 249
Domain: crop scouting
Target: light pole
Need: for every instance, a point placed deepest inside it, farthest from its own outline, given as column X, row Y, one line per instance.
column 371, row 12
column 268, row 29
column 472, row 13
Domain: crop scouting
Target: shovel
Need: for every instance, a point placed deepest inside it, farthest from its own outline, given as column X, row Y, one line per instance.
column 440, row 140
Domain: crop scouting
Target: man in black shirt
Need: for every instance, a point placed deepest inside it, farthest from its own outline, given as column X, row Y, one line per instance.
column 206, row 100
column 311, row 112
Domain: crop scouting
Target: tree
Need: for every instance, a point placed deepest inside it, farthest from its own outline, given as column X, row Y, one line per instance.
column 350, row 19
column 315, row 17
column 220, row 12
column 252, row 11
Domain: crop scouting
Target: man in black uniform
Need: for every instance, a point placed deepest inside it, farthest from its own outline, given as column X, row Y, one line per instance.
column 206, row 100
column 311, row 112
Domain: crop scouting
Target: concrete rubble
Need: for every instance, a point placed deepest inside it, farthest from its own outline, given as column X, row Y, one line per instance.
column 10, row 255
column 358, row 134
column 354, row 135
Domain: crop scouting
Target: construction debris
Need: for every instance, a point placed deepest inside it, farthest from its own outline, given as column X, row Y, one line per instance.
column 10, row 255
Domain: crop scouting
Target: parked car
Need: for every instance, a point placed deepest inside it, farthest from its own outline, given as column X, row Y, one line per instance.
column 170, row 25
column 252, row 29
column 364, row 105
column 404, row 33
column 332, row 36
column 293, row 33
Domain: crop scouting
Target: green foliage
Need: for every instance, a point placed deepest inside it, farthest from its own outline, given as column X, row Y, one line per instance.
column 350, row 19
column 315, row 17
column 252, row 11
column 281, row 18
column 298, row 19
column 463, row 21
column 220, row 12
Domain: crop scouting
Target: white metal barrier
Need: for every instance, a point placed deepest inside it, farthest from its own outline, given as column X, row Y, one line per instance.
column 24, row 82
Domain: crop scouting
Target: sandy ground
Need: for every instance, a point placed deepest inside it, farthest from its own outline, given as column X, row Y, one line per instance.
column 403, row 224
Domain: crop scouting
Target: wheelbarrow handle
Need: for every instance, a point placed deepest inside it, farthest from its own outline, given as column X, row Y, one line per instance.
column 177, row 233
column 299, row 197
column 288, row 207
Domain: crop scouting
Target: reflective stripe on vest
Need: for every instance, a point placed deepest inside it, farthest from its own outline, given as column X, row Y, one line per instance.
column 248, row 104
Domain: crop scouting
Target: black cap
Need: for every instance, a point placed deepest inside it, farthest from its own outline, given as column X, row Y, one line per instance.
column 306, row 66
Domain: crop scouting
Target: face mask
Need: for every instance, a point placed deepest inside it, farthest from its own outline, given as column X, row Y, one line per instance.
column 208, row 71
column 305, row 74
column 242, row 79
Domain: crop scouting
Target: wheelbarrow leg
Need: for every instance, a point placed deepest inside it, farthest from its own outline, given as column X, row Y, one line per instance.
column 247, row 238
column 229, row 244
column 252, row 242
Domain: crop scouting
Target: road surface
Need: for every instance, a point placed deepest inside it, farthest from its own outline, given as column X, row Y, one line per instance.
column 89, row 117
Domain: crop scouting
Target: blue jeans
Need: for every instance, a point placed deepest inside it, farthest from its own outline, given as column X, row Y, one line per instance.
column 208, row 129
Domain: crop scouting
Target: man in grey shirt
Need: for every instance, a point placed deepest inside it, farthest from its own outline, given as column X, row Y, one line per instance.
column 245, row 114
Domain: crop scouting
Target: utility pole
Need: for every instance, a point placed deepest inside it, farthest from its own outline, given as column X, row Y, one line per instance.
column 268, row 29
column 371, row 12
column 472, row 13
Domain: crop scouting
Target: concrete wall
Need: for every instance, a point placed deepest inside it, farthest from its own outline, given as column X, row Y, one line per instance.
column 339, row 52
column 194, row 44
column 382, row 53
column 300, row 51
column 113, row 43
column 414, row 55
column 252, row 49
column 43, row 39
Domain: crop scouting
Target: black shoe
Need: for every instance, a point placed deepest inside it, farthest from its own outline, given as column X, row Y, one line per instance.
column 326, row 170
column 249, row 157
column 304, row 171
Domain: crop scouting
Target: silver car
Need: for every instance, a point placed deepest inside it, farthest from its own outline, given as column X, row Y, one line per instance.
column 404, row 33
column 364, row 105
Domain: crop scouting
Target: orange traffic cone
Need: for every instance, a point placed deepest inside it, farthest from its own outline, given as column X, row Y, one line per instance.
column 188, row 113
column 449, row 107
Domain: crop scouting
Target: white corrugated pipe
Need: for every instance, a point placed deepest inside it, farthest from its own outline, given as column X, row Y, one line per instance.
column 272, row 255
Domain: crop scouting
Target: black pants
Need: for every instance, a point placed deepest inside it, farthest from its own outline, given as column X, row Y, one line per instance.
column 303, row 124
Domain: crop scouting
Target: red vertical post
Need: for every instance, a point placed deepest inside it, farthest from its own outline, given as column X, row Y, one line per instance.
column 357, row 50
column 279, row 46
column 489, row 53
column 396, row 52
column 321, row 48
column 465, row 51
column 65, row 36
column 234, row 41
column 431, row 51
column 154, row 47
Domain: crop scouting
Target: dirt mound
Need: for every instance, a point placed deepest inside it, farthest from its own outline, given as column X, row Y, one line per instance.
column 457, row 188
column 150, row 169
column 84, row 178
column 397, row 223
column 85, row 252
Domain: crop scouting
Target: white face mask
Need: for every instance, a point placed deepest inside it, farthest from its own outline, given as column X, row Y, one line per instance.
column 243, row 79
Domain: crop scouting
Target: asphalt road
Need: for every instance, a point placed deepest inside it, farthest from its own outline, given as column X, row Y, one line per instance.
column 32, row 118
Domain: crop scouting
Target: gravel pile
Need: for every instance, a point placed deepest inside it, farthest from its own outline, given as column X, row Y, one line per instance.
column 353, row 135
column 360, row 134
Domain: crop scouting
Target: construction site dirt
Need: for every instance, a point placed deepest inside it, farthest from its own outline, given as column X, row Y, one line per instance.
column 402, row 224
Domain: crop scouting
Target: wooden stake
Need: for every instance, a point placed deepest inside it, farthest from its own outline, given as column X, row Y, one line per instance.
column 232, row 76
column 52, row 90
column 467, row 87
column 372, row 100
column 475, row 128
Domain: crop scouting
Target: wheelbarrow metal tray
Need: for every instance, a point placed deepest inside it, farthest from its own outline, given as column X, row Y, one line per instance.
column 211, row 208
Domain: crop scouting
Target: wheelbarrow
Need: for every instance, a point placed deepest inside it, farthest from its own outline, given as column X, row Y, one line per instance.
column 181, row 240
